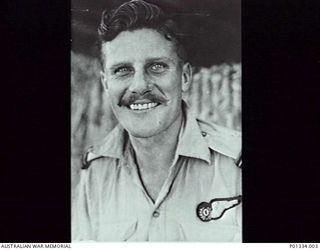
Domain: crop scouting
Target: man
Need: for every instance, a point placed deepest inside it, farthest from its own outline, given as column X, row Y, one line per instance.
column 160, row 175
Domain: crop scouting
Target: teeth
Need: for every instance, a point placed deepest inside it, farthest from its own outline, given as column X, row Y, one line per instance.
column 143, row 106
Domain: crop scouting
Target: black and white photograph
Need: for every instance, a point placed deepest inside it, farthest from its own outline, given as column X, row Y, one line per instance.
column 156, row 121
column 129, row 120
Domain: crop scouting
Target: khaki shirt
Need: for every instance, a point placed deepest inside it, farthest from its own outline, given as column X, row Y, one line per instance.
column 113, row 205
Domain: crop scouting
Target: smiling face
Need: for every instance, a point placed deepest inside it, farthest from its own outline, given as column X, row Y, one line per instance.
column 144, row 79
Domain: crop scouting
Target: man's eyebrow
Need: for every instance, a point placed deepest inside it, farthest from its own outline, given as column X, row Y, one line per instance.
column 154, row 59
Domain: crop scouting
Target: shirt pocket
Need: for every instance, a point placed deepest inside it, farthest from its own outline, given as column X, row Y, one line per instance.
column 117, row 230
column 211, row 232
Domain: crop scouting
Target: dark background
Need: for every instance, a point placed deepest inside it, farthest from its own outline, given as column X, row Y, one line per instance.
column 212, row 28
column 280, row 60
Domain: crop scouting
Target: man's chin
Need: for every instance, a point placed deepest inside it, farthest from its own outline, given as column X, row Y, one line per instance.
column 142, row 132
column 145, row 123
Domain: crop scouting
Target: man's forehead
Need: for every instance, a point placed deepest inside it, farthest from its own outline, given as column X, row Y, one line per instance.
column 138, row 45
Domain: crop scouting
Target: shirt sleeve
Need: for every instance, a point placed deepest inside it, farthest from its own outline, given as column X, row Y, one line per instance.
column 80, row 211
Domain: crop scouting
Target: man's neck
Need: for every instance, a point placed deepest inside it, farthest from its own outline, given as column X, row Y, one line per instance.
column 158, row 151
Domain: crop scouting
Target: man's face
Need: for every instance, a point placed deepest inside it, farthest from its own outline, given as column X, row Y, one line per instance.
column 144, row 79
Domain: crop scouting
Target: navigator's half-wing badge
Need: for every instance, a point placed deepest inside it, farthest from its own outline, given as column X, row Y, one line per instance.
column 216, row 208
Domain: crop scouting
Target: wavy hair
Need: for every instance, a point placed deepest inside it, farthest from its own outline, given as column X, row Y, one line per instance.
column 138, row 14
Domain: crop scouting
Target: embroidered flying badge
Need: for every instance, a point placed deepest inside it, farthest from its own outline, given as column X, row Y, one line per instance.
column 216, row 208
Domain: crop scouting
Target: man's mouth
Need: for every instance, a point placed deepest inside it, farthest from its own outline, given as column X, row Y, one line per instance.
column 143, row 106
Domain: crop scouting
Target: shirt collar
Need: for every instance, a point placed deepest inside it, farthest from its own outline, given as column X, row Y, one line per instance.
column 113, row 145
column 191, row 142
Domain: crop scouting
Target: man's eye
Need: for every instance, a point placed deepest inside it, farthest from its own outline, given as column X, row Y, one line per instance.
column 122, row 71
column 158, row 67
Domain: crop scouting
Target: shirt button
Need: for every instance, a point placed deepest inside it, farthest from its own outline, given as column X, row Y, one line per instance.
column 156, row 214
column 204, row 133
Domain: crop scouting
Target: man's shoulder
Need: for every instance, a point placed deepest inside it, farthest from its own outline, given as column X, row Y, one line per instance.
column 220, row 139
column 108, row 149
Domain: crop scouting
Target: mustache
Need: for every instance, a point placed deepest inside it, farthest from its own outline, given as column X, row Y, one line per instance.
column 155, row 95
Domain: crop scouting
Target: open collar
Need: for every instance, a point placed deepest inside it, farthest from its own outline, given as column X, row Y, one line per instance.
column 113, row 145
column 191, row 142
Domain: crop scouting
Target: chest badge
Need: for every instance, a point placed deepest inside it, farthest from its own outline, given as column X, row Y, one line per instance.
column 216, row 208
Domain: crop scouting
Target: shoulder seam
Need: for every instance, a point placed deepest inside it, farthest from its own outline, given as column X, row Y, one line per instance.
column 220, row 139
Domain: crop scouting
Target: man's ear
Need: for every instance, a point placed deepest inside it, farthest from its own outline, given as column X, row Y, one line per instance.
column 103, row 80
column 186, row 76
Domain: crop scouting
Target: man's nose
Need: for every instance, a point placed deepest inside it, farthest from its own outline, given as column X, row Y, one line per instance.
column 140, row 83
